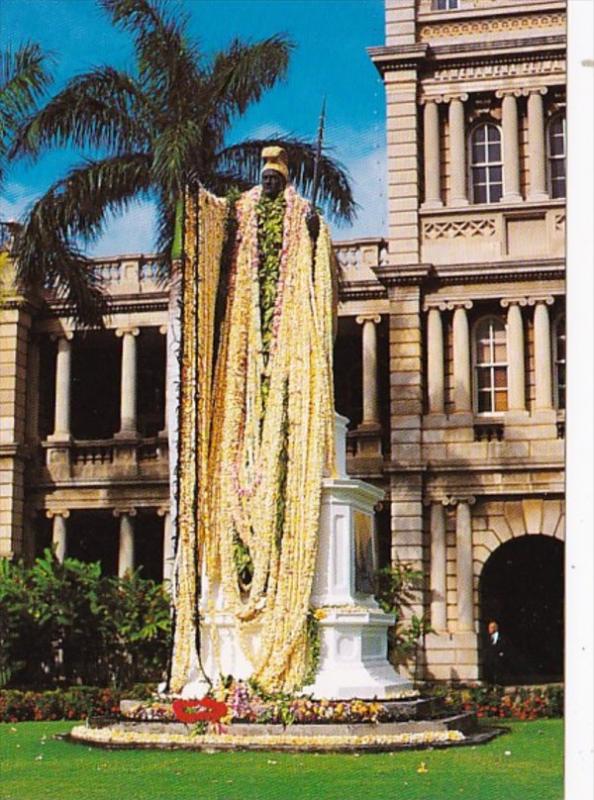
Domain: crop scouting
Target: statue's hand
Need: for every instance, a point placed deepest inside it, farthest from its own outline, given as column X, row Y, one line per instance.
column 313, row 224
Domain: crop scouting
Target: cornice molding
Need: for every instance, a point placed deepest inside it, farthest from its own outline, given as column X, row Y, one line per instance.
column 361, row 290
column 402, row 275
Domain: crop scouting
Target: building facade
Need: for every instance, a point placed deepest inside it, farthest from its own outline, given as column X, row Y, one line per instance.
column 450, row 353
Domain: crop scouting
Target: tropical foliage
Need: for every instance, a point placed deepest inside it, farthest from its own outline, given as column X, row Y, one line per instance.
column 397, row 590
column 152, row 132
column 24, row 75
column 75, row 702
column 66, row 623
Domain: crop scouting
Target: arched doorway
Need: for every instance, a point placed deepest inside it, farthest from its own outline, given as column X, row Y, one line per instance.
column 522, row 588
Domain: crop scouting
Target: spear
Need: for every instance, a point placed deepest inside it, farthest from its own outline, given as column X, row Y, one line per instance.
column 316, row 175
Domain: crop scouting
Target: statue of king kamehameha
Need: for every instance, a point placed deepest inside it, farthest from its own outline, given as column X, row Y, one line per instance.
column 253, row 427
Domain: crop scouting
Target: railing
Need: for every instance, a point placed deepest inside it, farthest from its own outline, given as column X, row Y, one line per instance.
column 357, row 254
column 92, row 452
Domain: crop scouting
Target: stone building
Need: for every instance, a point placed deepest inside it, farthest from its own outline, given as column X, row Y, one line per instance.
column 450, row 353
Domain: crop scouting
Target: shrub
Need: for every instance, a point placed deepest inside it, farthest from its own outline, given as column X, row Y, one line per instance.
column 76, row 702
column 524, row 703
column 66, row 623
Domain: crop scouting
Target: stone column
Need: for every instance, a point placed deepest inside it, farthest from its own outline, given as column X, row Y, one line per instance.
column 128, row 383
column 462, row 382
column 511, row 148
column 516, row 373
column 543, row 367
column 164, row 429
column 126, row 544
column 168, row 551
column 435, row 362
column 438, row 568
column 464, row 578
column 59, row 532
column 536, row 146
column 458, row 187
column 431, row 155
column 370, row 391
column 63, row 385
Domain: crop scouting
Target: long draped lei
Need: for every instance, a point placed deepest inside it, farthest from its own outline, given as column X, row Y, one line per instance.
column 265, row 418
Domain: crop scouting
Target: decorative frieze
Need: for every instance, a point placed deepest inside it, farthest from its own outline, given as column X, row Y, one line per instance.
column 489, row 27
column 497, row 68
column 460, row 229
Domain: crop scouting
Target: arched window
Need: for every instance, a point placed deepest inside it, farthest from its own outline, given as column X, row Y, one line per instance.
column 490, row 366
column 486, row 166
column 556, row 155
column 559, row 356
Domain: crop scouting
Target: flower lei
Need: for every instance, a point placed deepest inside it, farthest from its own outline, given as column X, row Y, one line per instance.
column 265, row 422
column 253, row 429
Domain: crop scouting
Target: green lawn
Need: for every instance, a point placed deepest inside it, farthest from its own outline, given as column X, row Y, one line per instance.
column 525, row 764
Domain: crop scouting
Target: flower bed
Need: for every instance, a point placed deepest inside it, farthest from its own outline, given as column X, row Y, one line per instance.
column 76, row 702
column 246, row 703
column 524, row 703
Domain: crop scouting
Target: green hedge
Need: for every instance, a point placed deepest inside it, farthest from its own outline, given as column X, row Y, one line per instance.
column 77, row 702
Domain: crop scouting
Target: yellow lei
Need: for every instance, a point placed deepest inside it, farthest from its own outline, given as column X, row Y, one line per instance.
column 239, row 482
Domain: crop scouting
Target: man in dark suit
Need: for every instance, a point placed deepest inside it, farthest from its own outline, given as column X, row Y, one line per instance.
column 496, row 654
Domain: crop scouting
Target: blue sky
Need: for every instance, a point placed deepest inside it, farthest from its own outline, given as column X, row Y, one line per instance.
column 330, row 59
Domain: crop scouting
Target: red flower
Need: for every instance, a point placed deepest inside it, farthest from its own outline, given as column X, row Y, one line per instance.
column 207, row 710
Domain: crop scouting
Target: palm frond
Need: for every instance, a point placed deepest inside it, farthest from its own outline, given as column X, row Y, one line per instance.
column 335, row 193
column 168, row 62
column 176, row 153
column 74, row 210
column 102, row 108
column 24, row 75
column 241, row 74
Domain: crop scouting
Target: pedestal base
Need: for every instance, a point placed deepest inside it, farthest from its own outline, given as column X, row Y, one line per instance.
column 353, row 662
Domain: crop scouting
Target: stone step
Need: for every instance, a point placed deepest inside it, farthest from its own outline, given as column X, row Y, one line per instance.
column 466, row 723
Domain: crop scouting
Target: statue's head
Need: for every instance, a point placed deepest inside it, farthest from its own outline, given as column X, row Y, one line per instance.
column 275, row 171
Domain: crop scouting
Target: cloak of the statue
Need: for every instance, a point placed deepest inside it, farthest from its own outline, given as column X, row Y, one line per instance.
column 254, row 433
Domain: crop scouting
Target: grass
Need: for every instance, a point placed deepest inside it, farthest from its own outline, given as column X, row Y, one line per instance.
column 525, row 764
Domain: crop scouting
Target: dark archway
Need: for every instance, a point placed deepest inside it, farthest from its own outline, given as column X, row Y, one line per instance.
column 522, row 588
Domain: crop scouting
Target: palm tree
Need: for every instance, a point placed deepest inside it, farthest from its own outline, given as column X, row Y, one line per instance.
column 23, row 78
column 157, row 131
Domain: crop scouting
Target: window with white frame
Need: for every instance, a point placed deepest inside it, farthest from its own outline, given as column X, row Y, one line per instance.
column 446, row 5
column 556, row 155
column 490, row 366
column 486, row 164
column 559, row 354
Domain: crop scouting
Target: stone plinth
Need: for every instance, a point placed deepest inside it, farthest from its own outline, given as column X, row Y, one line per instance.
column 352, row 627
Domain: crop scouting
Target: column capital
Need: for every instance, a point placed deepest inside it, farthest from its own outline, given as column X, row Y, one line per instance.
column 462, row 96
column 435, row 305
column 542, row 90
column 501, row 93
column 432, row 98
column 456, row 500
column 163, row 510
column 68, row 335
column 163, row 330
column 50, row 513
column 506, row 302
column 360, row 319
column 452, row 305
column 133, row 331
column 546, row 299
column 129, row 511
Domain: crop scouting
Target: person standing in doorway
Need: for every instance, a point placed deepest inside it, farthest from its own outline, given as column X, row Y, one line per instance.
column 496, row 655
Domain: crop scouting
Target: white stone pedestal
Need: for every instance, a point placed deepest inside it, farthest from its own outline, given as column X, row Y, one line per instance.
column 353, row 629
